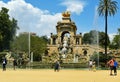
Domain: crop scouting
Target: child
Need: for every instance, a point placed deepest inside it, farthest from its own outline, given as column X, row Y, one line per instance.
column 90, row 65
column 93, row 67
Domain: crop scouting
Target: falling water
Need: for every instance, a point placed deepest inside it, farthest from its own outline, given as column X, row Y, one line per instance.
column 95, row 27
column 65, row 45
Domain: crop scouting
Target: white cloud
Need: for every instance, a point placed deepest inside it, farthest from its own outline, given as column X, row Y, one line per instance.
column 111, row 36
column 31, row 18
column 74, row 6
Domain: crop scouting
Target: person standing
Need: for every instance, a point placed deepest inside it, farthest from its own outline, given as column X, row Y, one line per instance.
column 90, row 64
column 93, row 66
column 57, row 66
column 14, row 64
column 4, row 63
column 115, row 67
column 111, row 65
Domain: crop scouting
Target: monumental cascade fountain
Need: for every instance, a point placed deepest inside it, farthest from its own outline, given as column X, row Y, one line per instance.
column 69, row 48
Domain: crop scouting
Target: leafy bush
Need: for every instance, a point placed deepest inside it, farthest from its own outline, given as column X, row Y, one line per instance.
column 63, row 65
column 102, row 58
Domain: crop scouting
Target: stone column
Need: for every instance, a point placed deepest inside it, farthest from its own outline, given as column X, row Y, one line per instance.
column 80, row 41
column 51, row 41
column 71, row 40
column 56, row 40
column 80, row 38
column 74, row 40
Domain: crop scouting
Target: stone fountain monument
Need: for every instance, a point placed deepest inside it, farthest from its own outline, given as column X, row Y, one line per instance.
column 69, row 48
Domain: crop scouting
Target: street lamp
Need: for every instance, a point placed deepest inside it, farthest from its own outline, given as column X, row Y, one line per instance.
column 29, row 44
column 29, row 47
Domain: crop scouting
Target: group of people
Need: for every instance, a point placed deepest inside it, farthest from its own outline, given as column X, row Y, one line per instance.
column 113, row 64
column 4, row 63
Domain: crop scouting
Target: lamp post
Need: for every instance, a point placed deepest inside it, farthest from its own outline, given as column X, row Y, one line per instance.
column 98, row 48
column 29, row 47
column 31, row 59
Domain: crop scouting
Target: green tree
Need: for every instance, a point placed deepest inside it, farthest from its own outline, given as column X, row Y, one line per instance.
column 115, row 44
column 107, row 7
column 101, row 60
column 86, row 38
column 102, row 39
column 95, row 37
column 91, row 37
column 20, row 43
column 119, row 31
column 14, row 27
column 7, row 29
column 38, row 45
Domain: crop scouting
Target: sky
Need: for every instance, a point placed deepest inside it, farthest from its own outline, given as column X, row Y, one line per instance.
column 41, row 16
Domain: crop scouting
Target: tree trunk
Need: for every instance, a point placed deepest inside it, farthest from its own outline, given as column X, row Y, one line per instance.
column 106, row 33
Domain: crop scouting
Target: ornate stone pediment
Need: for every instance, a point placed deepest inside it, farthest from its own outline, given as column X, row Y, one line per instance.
column 66, row 14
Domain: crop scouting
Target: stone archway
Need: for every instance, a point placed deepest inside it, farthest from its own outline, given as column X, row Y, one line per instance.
column 85, row 52
column 65, row 35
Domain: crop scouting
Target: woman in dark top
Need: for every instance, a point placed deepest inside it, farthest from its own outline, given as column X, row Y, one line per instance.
column 57, row 66
column 14, row 64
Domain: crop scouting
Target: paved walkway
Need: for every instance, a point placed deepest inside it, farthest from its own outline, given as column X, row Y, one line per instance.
column 29, row 75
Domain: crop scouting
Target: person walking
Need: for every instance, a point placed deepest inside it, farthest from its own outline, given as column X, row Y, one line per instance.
column 4, row 63
column 90, row 64
column 111, row 65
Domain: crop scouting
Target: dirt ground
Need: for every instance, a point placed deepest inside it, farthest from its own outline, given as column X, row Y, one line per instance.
column 48, row 75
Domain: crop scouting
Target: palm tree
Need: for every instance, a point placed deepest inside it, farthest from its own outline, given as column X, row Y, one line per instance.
column 105, row 8
column 118, row 31
column 119, row 37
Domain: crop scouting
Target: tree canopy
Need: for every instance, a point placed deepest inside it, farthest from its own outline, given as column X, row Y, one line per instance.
column 95, row 37
column 8, row 28
column 38, row 45
column 115, row 44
